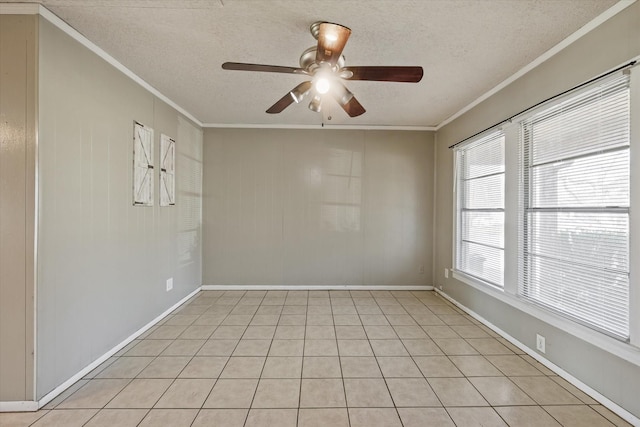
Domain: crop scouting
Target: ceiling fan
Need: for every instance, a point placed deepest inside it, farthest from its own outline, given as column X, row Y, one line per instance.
column 325, row 64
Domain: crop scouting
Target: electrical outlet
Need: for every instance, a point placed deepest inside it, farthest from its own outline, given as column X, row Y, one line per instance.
column 540, row 343
column 422, row 269
column 169, row 284
column 440, row 287
column 446, row 273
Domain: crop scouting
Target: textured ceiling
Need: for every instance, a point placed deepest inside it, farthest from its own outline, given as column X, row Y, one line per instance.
column 465, row 46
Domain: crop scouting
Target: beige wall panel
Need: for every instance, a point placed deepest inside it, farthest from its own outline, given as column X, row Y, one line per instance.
column 399, row 204
column 613, row 43
column 242, row 207
column 317, row 207
column 323, row 213
column 185, row 251
column 18, row 44
column 103, row 263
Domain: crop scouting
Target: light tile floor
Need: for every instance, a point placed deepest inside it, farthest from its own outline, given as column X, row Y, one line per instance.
column 319, row 358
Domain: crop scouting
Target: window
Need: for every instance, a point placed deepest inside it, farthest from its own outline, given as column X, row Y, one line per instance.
column 574, row 207
column 480, row 209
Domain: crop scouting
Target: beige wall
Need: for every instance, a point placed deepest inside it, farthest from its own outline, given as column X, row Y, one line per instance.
column 18, row 68
column 103, row 263
column 317, row 207
column 615, row 42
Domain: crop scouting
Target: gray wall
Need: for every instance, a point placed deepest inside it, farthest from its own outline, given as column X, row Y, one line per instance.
column 103, row 263
column 613, row 43
column 317, row 207
column 18, row 68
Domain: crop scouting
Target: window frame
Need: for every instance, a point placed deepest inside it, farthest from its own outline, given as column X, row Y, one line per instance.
column 459, row 196
column 627, row 351
column 528, row 190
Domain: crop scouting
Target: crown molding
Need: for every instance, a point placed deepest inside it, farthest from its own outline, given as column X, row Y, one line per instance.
column 19, row 8
column 594, row 23
column 34, row 8
column 323, row 127
column 38, row 9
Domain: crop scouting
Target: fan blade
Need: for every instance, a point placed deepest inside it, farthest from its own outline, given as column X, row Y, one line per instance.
column 281, row 104
column 353, row 108
column 331, row 41
column 386, row 74
column 240, row 66
column 347, row 101
column 294, row 94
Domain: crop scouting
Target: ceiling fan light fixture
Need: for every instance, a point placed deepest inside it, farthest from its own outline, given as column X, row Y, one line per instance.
column 315, row 104
column 322, row 85
column 342, row 94
column 324, row 65
column 298, row 94
column 345, row 74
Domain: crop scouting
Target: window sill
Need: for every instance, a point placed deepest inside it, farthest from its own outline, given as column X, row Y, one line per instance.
column 474, row 281
column 624, row 350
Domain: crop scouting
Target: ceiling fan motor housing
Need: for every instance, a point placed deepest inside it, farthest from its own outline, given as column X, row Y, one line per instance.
column 308, row 60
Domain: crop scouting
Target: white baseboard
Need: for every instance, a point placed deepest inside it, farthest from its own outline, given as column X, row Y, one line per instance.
column 19, row 406
column 614, row 407
column 62, row 387
column 315, row 288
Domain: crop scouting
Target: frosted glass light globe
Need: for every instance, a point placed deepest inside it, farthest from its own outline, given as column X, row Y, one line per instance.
column 322, row 85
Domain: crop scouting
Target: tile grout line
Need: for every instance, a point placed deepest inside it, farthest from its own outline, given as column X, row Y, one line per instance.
column 95, row 377
column 448, row 356
column 187, row 364
column 407, row 350
column 508, row 377
column 304, row 342
column 376, row 357
column 232, row 351
column 187, row 303
column 409, row 309
column 411, row 355
column 196, row 353
column 130, row 379
column 344, row 387
column 449, row 359
column 192, row 357
column 266, row 355
column 178, row 374
column 536, row 404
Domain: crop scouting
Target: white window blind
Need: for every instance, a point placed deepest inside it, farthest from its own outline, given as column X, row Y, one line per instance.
column 574, row 207
column 480, row 209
